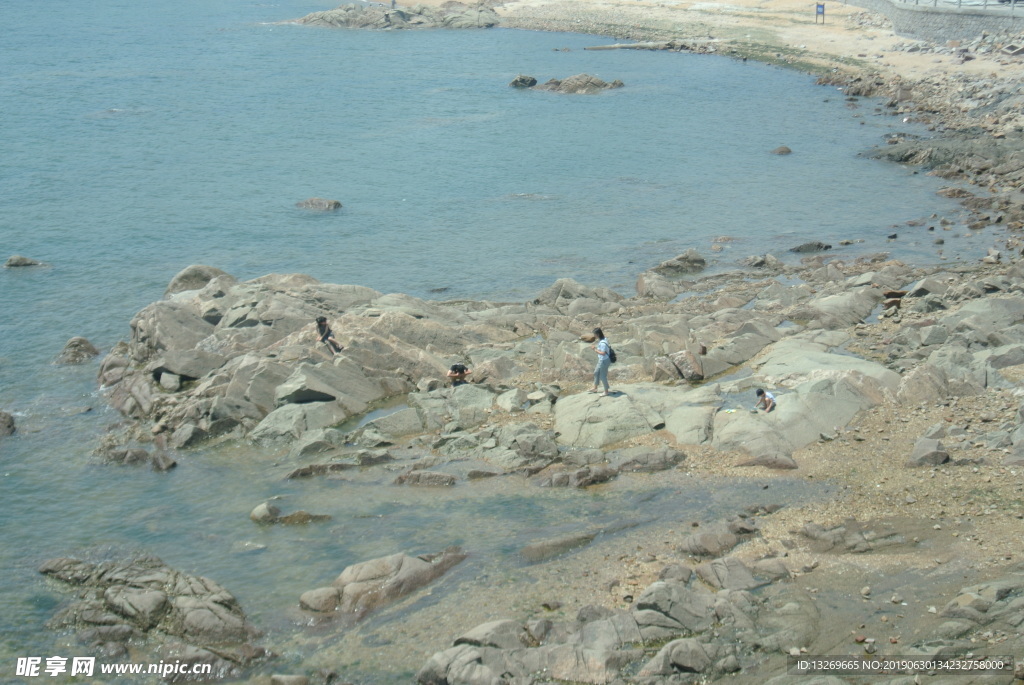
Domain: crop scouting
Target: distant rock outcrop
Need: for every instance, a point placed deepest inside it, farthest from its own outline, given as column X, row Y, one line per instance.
column 686, row 263
column 452, row 15
column 580, row 84
column 18, row 260
column 78, row 350
column 522, row 81
column 319, row 204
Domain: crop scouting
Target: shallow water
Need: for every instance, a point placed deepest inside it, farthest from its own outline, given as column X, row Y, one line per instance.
column 142, row 138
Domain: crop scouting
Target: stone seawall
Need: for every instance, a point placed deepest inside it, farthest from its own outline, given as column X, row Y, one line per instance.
column 941, row 24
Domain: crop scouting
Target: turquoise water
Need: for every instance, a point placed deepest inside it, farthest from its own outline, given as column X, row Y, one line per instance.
column 139, row 138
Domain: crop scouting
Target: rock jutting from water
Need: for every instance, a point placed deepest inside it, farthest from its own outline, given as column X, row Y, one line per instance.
column 16, row 261
column 580, row 84
column 180, row 616
column 453, row 15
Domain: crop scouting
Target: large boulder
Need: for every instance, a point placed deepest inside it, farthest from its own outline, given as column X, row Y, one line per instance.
column 193, row 277
column 669, row 608
column 523, row 81
column 77, row 350
column 590, row 420
column 564, row 290
column 167, row 325
column 16, row 261
column 580, row 84
column 833, row 311
column 817, row 407
column 928, row 452
column 319, row 204
column 686, row 263
column 690, row 655
column 371, row 584
column 151, row 598
column 290, row 421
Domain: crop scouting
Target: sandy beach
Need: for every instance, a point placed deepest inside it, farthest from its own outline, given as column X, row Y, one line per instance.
column 849, row 39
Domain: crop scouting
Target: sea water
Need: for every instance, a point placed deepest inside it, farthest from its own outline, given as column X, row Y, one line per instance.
column 139, row 138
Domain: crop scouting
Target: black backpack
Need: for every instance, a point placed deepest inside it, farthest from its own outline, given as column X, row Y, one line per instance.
column 611, row 355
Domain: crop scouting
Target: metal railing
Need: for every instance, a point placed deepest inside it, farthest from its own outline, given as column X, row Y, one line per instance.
column 967, row 4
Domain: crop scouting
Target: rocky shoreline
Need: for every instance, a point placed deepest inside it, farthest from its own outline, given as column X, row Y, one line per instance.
column 898, row 385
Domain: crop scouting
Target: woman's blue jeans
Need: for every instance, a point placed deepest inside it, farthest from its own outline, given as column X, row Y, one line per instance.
column 601, row 372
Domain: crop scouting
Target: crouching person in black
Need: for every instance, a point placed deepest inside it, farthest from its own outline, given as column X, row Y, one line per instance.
column 457, row 373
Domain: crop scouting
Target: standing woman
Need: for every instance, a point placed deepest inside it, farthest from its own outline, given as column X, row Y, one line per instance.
column 603, row 361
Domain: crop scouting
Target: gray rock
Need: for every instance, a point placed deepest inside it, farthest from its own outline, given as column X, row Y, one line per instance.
column 729, row 573
column 170, row 382
column 504, row 634
column 689, row 655
column 521, row 81
column 933, row 335
column 709, row 544
column 546, row 549
column 813, row 246
column 426, row 479
column 317, row 442
column 320, row 600
column 126, row 455
column 676, row 572
column 77, row 351
column 927, row 452
column 580, row 84
column 206, row 620
column 668, row 608
column 187, row 435
column 143, row 607
column 319, row 204
column 587, row 420
column 265, row 513
column 565, row 290
column 372, row 16
column 686, row 263
column 766, row 261
column 194, row 277
column 7, row 426
column 646, row 459
column 292, row 420
column 162, row 461
column 580, row 478
column 397, row 424
column 371, row 584
column 928, row 286
column 692, row 425
column 19, row 261
column 154, row 598
column 511, row 400
column 924, row 383
column 656, row 286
